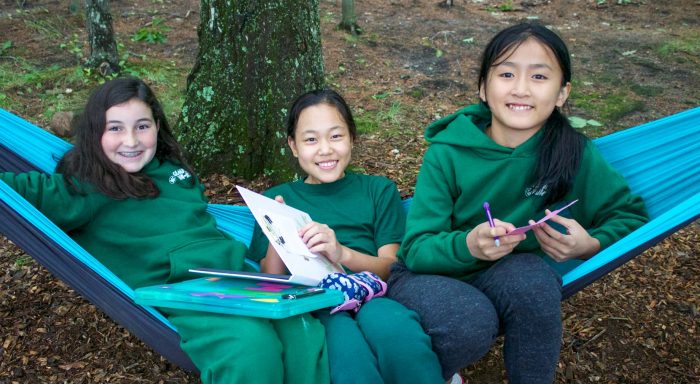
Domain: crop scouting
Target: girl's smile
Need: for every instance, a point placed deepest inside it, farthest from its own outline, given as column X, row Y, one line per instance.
column 522, row 90
column 322, row 143
column 327, row 165
column 130, row 135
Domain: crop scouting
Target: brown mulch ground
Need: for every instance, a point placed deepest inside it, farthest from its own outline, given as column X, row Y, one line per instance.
column 414, row 62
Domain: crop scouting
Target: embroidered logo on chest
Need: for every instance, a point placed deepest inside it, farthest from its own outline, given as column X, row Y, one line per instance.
column 529, row 191
column 180, row 174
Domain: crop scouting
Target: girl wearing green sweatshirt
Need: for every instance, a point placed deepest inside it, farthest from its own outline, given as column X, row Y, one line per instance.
column 468, row 278
column 359, row 223
column 126, row 194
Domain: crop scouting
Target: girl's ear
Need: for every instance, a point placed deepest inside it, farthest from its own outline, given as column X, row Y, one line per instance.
column 482, row 93
column 293, row 146
column 563, row 94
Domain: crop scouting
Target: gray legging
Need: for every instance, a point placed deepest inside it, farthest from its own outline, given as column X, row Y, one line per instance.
column 518, row 296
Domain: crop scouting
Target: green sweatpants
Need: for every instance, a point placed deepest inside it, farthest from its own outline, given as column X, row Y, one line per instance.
column 237, row 349
column 383, row 343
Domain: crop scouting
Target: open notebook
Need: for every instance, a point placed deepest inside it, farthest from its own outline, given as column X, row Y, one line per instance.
column 281, row 223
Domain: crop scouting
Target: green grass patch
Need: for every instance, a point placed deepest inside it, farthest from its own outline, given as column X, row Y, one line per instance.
column 387, row 120
column 49, row 27
column 53, row 85
column 686, row 44
column 646, row 90
column 329, row 17
column 367, row 122
column 23, row 260
column 66, row 88
column 608, row 106
column 5, row 47
column 154, row 33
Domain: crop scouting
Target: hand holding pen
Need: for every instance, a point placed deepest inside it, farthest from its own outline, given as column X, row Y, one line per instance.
column 489, row 240
column 487, row 208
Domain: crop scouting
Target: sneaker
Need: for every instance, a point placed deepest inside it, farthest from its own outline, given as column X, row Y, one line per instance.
column 456, row 379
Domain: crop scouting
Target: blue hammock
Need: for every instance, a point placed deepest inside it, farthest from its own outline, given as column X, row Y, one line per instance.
column 659, row 160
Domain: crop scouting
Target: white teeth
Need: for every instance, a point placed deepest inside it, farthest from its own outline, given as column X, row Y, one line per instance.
column 327, row 164
column 519, row 107
column 130, row 154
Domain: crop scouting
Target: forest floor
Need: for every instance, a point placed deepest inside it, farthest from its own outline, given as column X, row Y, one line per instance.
column 634, row 61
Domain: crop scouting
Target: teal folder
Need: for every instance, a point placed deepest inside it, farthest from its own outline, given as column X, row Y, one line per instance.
column 239, row 297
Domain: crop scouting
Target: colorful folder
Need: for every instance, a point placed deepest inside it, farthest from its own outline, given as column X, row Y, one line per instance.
column 239, row 297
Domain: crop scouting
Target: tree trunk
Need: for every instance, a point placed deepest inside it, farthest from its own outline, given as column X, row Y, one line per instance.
column 254, row 58
column 103, row 48
column 349, row 18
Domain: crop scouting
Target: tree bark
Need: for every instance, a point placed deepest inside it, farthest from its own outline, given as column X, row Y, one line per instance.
column 103, row 48
column 254, row 58
column 349, row 18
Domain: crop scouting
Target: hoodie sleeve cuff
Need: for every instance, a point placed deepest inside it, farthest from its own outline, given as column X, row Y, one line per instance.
column 460, row 246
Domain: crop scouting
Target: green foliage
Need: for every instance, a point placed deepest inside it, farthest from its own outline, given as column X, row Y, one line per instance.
column 381, row 95
column 22, row 261
column 47, row 26
column 430, row 43
column 153, row 33
column 579, row 122
column 328, row 17
column 608, row 106
column 393, row 114
column 74, row 45
column 65, row 88
column 689, row 45
column 366, row 122
column 388, row 119
column 646, row 90
column 506, row 6
column 5, row 46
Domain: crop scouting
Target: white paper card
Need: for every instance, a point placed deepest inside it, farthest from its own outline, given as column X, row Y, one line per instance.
column 281, row 224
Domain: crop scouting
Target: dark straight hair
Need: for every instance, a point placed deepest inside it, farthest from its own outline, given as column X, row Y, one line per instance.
column 86, row 162
column 561, row 147
column 316, row 97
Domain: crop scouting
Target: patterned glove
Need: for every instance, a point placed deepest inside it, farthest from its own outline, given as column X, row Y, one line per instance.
column 357, row 288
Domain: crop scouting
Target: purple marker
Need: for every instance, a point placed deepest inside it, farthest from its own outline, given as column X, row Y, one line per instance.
column 491, row 224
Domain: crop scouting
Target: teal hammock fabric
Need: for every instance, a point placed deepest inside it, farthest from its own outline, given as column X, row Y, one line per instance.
column 659, row 159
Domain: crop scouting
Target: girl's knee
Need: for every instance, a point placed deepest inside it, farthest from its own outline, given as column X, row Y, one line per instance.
column 524, row 276
column 384, row 320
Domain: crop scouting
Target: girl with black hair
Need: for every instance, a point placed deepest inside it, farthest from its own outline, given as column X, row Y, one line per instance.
column 467, row 278
column 359, row 223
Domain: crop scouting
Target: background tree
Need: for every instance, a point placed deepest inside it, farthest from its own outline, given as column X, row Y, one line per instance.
column 103, row 48
column 348, row 20
column 254, row 58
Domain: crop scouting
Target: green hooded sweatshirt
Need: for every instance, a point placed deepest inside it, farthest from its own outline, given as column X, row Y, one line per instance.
column 463, row 168
column 143, row 241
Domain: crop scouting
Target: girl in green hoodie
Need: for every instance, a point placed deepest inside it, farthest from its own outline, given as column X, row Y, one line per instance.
column 359, row 223
column 126, row 194
column 468, row 278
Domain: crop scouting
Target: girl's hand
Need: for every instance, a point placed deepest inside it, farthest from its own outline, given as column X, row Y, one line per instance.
column 320, row 238
column 482, row 245
column 577, row 243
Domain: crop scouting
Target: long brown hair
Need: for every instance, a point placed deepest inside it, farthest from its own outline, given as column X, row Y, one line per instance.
column 86, row 162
